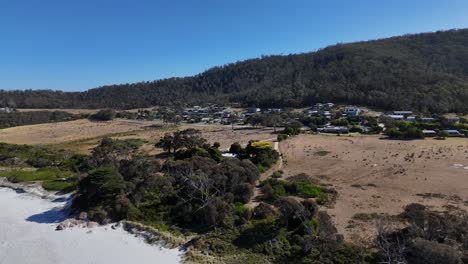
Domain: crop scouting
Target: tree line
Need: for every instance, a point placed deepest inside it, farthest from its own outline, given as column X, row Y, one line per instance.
column 424, row 72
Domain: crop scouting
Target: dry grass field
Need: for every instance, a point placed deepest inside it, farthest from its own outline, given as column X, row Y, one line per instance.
column 375, row 175
column 82, row 135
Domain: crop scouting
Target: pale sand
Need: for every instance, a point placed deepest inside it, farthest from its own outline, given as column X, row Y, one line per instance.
column 28, row 236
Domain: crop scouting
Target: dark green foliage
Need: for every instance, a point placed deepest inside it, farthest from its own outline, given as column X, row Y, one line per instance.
column 102, row 194
column 430, row 237
column 404, row 130
column 340, row 122
column 103, row 115
column 423, row 251
column 34, row 117
column 60, row 185
column 184, row 139
column 260, row 154
column 300, row 185
column 109, row 152
column 282, row 137
column 264, row 211
column 291, row 131
column 426, row 72
column 235, row 148
column 38, row 157
column 205, row 151
column 273, row 189
column 356, row 129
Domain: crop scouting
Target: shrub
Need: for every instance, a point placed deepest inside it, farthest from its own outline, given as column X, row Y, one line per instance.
column 235, row 148
column 282, row 137
column 340, row 122
column 291, row 131
column 264, row 211
column 273, row 189
column 356, row 129
column 277, row 174
column 422, row 251
column 308, row 190
column 103, row 115
column 58, row 185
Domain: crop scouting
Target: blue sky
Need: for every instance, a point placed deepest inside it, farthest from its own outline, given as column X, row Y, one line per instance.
column 82, row 44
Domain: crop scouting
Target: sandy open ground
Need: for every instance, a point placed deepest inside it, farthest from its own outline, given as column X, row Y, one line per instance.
column 54, row 133
column 82, row 135
column 28, row 236
column 375, row 175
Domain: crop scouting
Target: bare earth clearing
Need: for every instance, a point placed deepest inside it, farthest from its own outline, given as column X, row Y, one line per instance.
column 375, row 175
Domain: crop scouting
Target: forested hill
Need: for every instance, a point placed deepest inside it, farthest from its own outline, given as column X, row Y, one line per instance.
column 427, row 72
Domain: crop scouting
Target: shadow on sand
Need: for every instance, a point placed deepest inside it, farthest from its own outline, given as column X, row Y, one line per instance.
column 54, row 215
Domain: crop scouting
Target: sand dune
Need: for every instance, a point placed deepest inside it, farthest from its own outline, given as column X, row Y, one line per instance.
column 28, row 236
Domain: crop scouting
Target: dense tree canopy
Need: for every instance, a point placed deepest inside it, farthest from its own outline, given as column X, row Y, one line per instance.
column 426, row 72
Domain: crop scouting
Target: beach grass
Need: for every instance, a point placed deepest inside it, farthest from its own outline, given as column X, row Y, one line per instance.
column 43, row 174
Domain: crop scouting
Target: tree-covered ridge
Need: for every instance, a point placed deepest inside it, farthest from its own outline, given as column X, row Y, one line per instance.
column 425, row 72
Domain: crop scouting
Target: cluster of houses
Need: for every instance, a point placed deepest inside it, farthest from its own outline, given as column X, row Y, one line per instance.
column 226, row 115
column 6, row 110
column 208, row 114
column 322, row 109
column 223, row 115
column 325, row 110
column 353, row 113
column 411, row 117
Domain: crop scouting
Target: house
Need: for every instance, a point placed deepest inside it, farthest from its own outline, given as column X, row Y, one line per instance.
column 351, row 111
column 253, row 110
column 403, row 113
column 229, row 155
column 427, row 119
column 274, row 110
column 326, row 114
column 329, row 105
column 453, row 133
column 311, row 112
column 333, row 129
column 397, row 117
column 6, row 110
column 318, row 106
column 429, row 133
column 453, row 119
column 411, row 118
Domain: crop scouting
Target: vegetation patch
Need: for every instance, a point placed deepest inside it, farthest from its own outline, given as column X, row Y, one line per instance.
column 35, row 117
column 322, row 153
column 43, row 174
column 59, row 185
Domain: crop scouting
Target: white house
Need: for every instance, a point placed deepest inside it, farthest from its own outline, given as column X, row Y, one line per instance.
column 351, row 111
column 397, row 117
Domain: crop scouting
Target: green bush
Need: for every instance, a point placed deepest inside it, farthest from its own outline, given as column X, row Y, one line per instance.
column 356, row 129
column 103, row 115
column 58, row 185
column 42, row 174
column 282, row 137
column 291, row 131
column 308, row 190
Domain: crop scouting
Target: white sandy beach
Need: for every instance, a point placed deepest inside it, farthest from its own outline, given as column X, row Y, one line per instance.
column 28, row 236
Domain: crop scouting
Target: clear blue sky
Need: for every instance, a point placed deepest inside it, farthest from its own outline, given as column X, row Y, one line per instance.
column 80, row 44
